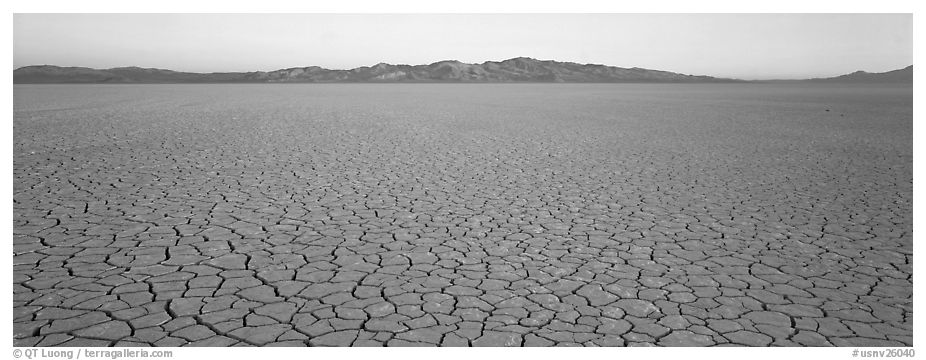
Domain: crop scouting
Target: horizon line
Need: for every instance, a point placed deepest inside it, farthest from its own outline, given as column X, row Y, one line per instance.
column 458, row 61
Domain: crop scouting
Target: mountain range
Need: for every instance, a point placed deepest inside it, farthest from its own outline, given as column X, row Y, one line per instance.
column 521, row 69
column 904, row 75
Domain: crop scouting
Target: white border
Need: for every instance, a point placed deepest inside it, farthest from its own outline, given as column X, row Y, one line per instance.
column 465, row 6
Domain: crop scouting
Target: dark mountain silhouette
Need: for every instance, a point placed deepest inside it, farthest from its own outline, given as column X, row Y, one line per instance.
column 904, row 75
column 519, row 69
column 512, row 70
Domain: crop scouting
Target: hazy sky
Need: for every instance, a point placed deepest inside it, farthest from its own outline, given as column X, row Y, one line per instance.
column 748, row 46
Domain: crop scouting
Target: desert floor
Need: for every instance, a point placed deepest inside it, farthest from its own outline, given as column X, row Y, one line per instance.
column 462, row 215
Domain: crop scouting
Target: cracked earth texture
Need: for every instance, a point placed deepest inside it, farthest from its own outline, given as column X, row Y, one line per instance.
column 462, row 215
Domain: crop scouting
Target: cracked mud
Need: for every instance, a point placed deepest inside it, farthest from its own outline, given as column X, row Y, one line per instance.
column 462, row 215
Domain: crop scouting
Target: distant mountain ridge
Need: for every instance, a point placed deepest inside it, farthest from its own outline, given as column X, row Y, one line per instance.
column 521, row 69
column 904, row 75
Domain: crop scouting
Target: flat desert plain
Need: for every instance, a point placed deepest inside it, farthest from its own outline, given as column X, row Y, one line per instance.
column 462, row 215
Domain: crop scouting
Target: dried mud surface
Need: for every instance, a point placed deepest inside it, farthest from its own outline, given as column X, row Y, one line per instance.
column 462, row 215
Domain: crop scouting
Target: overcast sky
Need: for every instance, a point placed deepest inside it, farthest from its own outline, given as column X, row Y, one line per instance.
column 746, row 46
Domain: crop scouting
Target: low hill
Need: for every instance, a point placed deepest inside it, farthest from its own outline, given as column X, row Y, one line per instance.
column 904, row 75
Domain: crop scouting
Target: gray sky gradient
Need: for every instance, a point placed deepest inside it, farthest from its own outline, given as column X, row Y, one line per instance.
column 746, row 46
